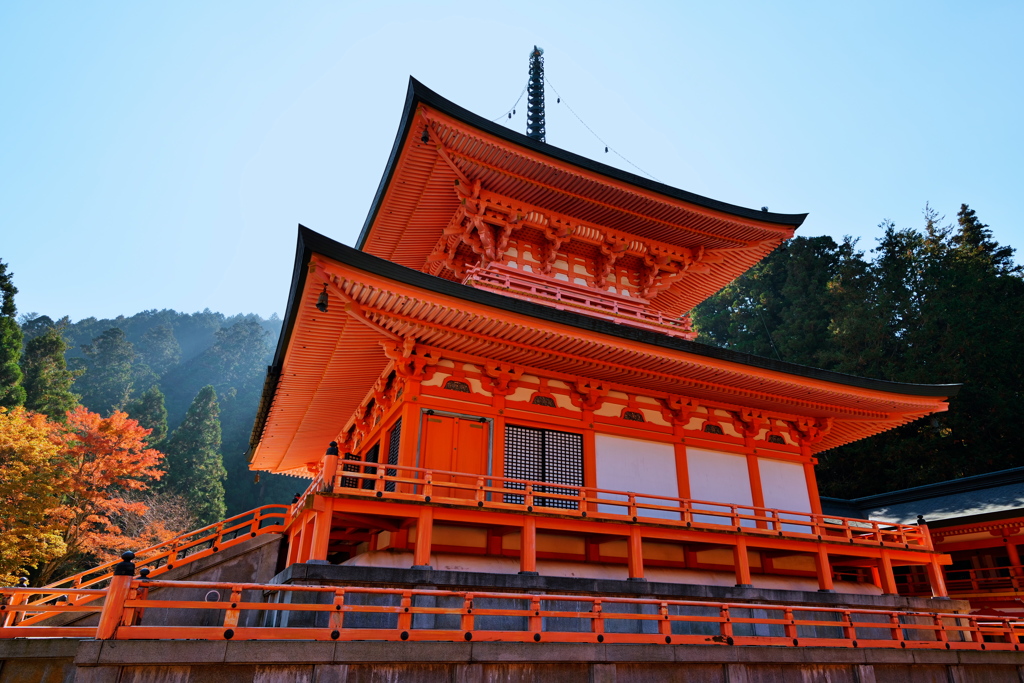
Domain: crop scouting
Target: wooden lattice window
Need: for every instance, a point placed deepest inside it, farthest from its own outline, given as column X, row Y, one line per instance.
column 713, row 429
column 350, row 482
column 543, row 455
column 394, row 442
column 456, row 385
column 775, row 438
column 633, row 415
column 543, row 401
column 373, row 455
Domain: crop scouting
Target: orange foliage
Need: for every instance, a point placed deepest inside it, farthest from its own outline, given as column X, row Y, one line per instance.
column 103, row 461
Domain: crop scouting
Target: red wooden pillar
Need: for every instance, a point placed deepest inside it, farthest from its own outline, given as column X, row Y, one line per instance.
column 528, row 547
column 742, row 562
column 635, row 554
column 824, row 569
column 424, row 538
column 812, row 481
column 321, row 528
column 886, row 575
column 937, row 580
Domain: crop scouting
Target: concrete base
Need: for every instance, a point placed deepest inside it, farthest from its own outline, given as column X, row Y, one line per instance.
column 351, row 575
column 92, row 661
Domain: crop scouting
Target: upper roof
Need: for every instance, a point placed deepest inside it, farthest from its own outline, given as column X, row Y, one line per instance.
column 326, row 363
column 416, row 198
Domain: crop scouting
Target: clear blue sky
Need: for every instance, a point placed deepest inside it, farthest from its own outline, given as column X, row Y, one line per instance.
column 160, row 155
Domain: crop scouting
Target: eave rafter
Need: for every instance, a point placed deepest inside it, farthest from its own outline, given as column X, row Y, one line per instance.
column 447, row 333
column 434, row 121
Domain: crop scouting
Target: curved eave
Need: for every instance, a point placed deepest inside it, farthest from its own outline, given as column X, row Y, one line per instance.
column 418, row 93
column 372, row 362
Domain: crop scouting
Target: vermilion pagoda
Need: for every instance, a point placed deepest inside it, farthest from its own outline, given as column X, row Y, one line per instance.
column 510, row 341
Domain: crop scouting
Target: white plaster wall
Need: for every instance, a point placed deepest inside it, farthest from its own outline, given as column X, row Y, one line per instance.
column 720, row 478
column 784, row 487
column 637, row 466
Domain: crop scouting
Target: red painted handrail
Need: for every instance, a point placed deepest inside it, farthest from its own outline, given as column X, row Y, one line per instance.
column 493, row 492
column 398, row 614
column 187, row 547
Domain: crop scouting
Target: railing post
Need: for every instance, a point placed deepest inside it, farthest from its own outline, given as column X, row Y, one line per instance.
column 428, row 486
column 536, row 620
column 338, row 616
column 231, row 615
column 849, row 630
column 726, row 624
column 117, row 593
column 467, row 614
column 479, row 491
column 940, row 629
column 665, row 625
column 405, row 616
column 597, row 620
column 790, row 626
column 11, row 617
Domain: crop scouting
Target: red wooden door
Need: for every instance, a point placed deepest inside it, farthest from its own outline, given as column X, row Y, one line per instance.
column 454, row 444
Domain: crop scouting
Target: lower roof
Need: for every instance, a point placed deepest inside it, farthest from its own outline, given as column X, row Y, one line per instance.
column 324, row 365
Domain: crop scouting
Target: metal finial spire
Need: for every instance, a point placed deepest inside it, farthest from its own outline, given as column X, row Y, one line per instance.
column 535, row 101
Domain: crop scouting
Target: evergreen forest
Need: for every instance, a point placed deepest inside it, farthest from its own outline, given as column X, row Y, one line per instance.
column 193, row 378
column 938, row 303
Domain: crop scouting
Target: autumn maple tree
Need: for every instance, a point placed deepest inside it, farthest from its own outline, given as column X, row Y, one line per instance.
column 30, row 449
column 101, row 458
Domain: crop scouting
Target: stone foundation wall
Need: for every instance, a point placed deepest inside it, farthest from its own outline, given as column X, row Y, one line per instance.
column 88, row 661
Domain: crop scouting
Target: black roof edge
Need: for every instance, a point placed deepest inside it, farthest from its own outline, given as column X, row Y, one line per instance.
column 299, row 272
column 418, row 92
column 975, row 482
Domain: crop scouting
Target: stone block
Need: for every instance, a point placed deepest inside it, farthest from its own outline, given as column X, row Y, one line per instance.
column 162, row 651
column 330, row 673
column 88, row 652
column 620, row 652
column 49, row 648
column 294, row 651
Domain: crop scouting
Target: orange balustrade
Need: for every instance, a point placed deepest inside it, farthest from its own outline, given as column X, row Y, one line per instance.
column 396, row 614
column 970, row 581
column 492, row 492
column 597, row 303
column 180, row 550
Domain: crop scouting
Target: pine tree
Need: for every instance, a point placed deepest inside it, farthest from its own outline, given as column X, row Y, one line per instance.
column 47, row 378
column 111, row 371
column 150, row 412
column 195, row 468
column 159, row 349
column 12, row 393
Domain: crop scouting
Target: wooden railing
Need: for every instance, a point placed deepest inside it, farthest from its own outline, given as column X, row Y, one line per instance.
column 186, row 548
column 491, row 492
column 969, row 581
column 261, row 611
column 597, row 303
